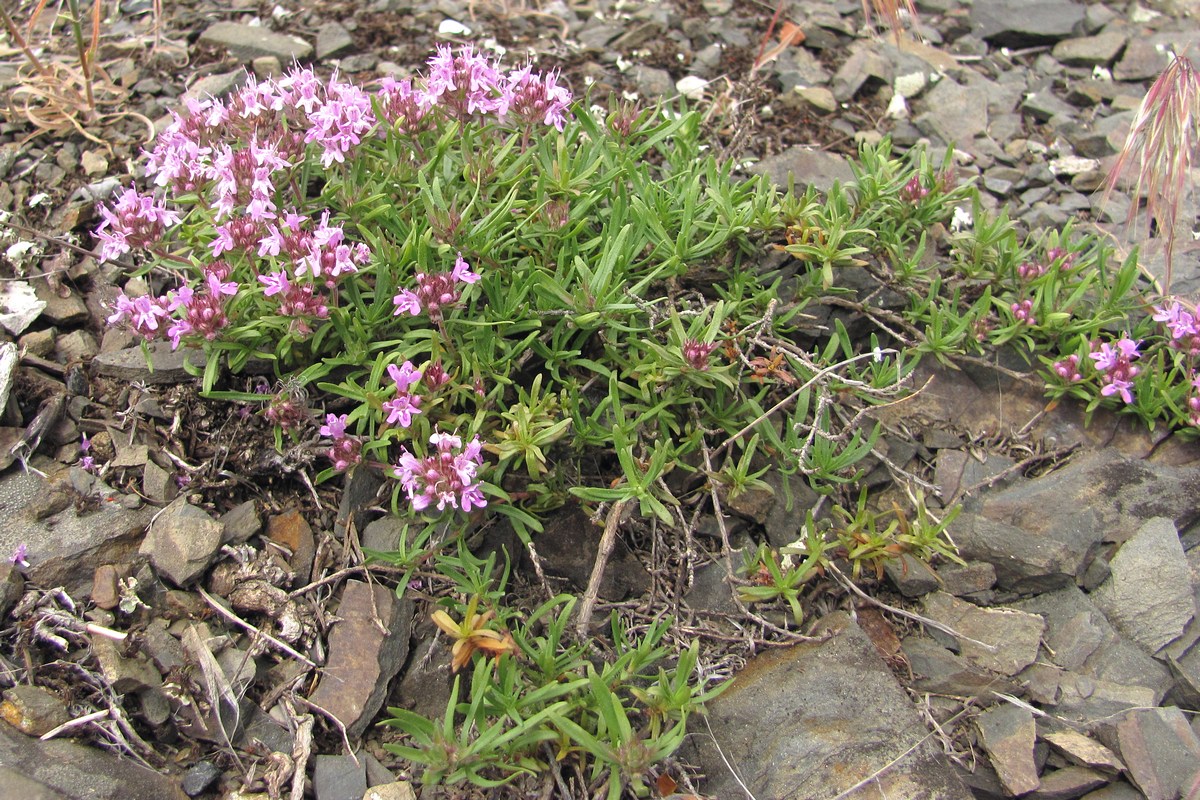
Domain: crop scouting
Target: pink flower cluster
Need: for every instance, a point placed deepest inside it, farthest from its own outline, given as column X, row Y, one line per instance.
column 1115, row 363
column 186, row 311
column 401, row 408
column 446, row 477
column 135, row 220
column 1068, row 369
column 1023, row 312
column 1182, row 326
column 435, row 292
column 345, row 450
column 697, row 354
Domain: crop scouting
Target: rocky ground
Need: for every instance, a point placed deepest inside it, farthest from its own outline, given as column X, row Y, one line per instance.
column 202, row 610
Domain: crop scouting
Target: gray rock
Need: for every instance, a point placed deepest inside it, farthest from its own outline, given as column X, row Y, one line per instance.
column 1042, row 533
column 1013, row 636
column 1079, row 638
column 182, row 541
column 1159, row 748
column 1143, row 60
column 156, row 365
column 61, row 769
column 1008, row 734
column 249, row 42
column 793, row 712
column 1025, row 23
column 219, row 85
column 241, row 522
column 1044, row 104
column 32, row 710
column 911, row 576
column 939, row 671
column 260, row 727
column 197, row 779
column 162, row 648
column 963, row 581
column 653, row 83
column 807, row 167
column 865, row 65
column 383, row 535
column 1067, row 783
column 75, row 346
column 124, row 674
column 12, row 586
column 60, row 310
column 333, row 40
column 362, row 658
column 1090, row 51
column 1118, row 790
column 158, row 485
column 339, row 778
column 64, row 547
column 1085, row 751
column 1148, row 597
column 952, row 115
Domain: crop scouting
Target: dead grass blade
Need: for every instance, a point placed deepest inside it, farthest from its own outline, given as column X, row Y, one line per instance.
column 892, row 12
column 1163, row 140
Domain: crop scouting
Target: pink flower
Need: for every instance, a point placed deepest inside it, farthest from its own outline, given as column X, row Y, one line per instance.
column 135, row 220
column 537, row 98
column 1115, row 363
column 335, row 426
column 434, row 292
column 275, row 283
column 696, row 354
column 404, row 375
column 446, row 477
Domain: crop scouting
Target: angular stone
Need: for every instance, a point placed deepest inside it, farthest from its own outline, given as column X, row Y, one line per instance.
column 1085, row 751
column 972, row 579
column 1014, row 635
column 12, row 586
column 1090, row 51
column 1025, row 23
column 952, row 115
column 1067, row 783
column 1148, row 596
column 182, row 541
column 807, row 167
column 241, row 522
column 362, row 658
column 158, row 484
column 200, row 777
column 164, row 364
column 864, row 64
column 32, row 710
column 1143, row 60
column 1008, row 734
column 124, row 674
column 75, row 346
column 1159, row 748
column 293, row 532
column 333, row 40
column 106, row 591
column 64, row 547
column 60, row 310
column 339, row 778
column 397, row 790
column 60, row 768
column 248, row 42
column 911, row 576
column 1079, row 638
column 793, row 712
column 938, row 671
column 383, row 535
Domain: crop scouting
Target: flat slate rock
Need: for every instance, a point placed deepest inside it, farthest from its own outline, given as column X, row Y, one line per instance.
column 155, row 365
column 815, row 719
column 61, row 769
column 363, row 658
column 249, row 42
